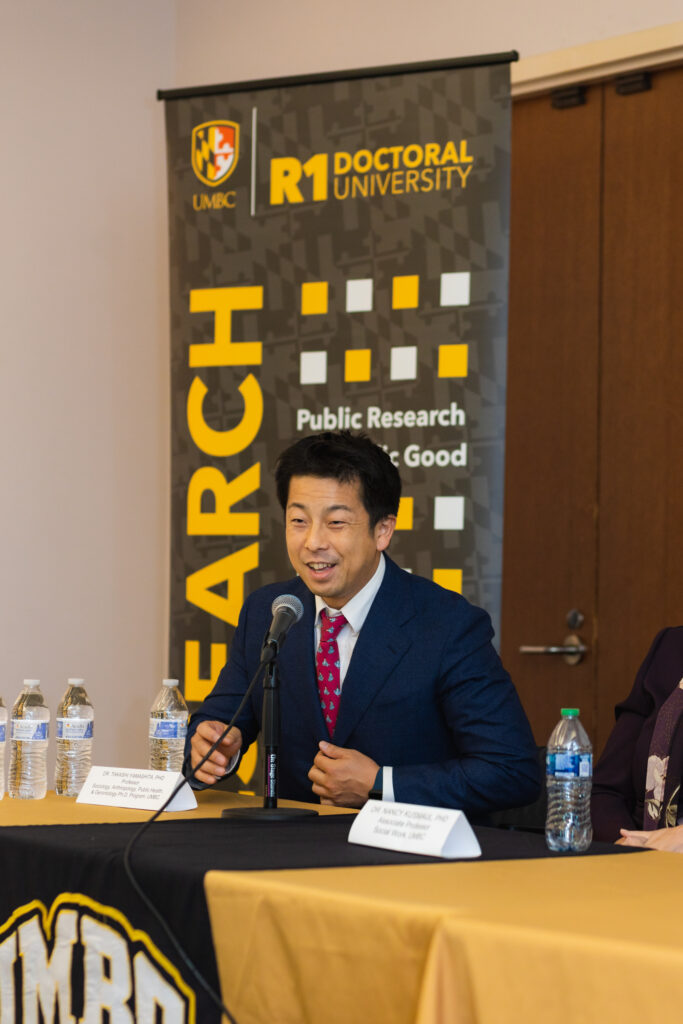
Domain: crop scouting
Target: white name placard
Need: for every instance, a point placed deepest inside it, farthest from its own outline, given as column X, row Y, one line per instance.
column 136, row 788
column 413, row 828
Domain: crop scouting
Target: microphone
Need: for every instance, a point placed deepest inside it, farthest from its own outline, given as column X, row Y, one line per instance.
column 287, row 609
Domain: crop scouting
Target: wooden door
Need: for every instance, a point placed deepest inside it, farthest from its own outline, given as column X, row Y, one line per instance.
column 640, row 568
column 594, row 492
column 550, row 534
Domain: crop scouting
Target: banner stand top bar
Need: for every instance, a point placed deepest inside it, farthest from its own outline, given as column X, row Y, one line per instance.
column 333, row 76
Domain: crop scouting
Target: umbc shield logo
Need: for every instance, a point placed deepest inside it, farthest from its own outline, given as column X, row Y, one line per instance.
column 215, row 150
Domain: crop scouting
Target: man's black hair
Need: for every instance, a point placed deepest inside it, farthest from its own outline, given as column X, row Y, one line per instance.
column 345, row 457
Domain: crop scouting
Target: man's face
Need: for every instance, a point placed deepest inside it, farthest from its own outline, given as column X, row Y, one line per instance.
column 329, row 540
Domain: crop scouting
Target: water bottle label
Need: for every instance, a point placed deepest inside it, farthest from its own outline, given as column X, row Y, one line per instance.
column 3, row 729
column 167, row 729
column 569, row 766
column 74, row 729
column 25, row 729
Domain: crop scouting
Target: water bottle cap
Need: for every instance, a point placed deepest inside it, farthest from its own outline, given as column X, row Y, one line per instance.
column 170, row 682
column 31, row 682
column 75, row 682
column 570, row 712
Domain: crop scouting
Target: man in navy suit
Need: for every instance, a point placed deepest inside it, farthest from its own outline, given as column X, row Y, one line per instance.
column 427, row 713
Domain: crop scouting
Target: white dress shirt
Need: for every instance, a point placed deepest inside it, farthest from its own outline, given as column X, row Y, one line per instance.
column 355, row 612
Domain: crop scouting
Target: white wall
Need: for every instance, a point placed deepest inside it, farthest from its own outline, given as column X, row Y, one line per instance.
column 84, row 356
column 84, row 411
column 239, row 40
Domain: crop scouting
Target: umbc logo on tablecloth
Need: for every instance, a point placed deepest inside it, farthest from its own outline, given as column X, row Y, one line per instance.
column 215, row 151
column 79, row 959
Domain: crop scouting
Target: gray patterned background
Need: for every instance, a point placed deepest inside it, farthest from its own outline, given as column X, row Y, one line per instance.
column 281, row 247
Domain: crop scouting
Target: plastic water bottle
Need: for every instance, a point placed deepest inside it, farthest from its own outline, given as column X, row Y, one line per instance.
column 569, row 775
column 29, row 732
column 167, row 728
column 3, row 737
column 75, row 717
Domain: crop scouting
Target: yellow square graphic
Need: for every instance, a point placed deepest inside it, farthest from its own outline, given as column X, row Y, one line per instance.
column 405, row 292
column 404, row 519
column 314, row 297
column 449, row 579
column 357, row 364
column 453, row 360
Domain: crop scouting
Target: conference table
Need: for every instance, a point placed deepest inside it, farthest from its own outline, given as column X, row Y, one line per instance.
column 293, row 924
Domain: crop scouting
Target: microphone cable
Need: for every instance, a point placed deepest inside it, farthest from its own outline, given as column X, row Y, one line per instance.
column 156, row 913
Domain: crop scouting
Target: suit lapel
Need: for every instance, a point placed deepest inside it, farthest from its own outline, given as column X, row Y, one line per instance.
column 382, row 642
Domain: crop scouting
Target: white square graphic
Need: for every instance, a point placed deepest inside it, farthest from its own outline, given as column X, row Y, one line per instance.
column 449, row 513
column 313, row 368
column 359, row 296
column 455, row 289
column 404, row 363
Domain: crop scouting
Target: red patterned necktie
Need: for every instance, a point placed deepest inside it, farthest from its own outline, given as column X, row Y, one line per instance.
column 327, row 667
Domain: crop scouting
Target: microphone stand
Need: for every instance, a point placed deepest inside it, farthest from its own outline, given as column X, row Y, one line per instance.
column 270, row 731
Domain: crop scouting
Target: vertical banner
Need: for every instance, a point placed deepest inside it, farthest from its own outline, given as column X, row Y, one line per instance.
column 339, row 259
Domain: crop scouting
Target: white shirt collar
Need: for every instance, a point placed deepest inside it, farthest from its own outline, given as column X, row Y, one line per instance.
column 356, row 610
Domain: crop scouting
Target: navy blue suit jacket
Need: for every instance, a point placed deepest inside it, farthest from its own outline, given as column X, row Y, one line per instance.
column 425, row 692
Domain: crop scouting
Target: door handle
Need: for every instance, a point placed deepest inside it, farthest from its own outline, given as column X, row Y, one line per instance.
column 572, row 650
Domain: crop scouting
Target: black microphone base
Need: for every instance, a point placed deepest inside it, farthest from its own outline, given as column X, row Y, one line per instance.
column 265, row 814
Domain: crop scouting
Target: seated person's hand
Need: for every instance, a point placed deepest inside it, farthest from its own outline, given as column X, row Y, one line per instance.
column 670, row 839
column 342, row 776
column 205, row 736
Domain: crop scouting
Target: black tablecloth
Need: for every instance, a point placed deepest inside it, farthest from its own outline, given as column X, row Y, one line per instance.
column 172, row 857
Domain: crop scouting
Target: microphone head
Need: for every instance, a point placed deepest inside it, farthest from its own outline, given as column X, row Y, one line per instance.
column 289, row 601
